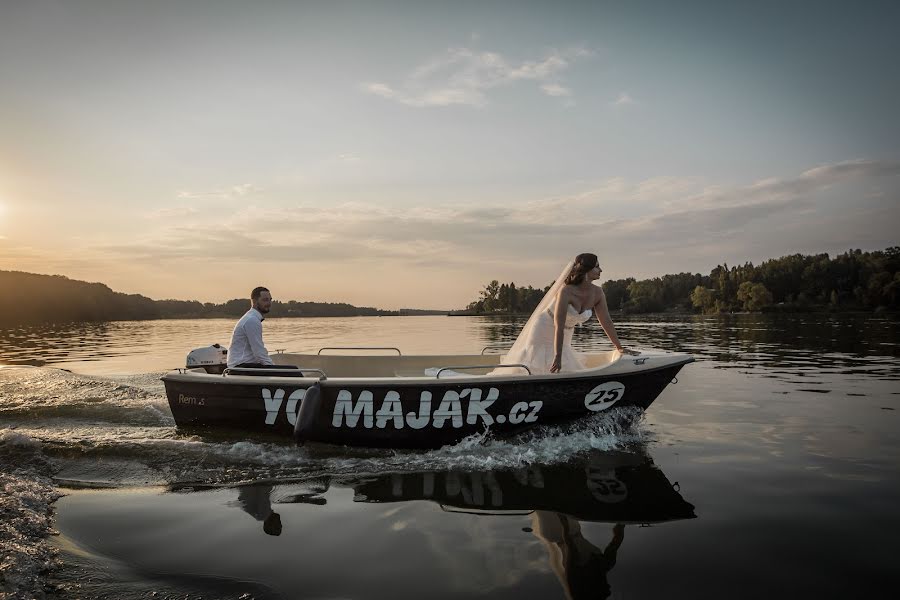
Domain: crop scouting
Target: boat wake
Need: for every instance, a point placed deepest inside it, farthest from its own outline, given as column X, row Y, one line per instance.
column 119, row 432
column 43, row 396
column 28, row 491
column 61, row 430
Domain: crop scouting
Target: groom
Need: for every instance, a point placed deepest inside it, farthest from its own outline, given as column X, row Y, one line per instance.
column 247, row 349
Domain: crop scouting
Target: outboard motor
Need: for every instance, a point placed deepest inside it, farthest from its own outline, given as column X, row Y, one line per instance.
column 213, row 359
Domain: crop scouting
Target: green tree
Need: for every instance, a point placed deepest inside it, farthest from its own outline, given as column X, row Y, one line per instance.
column 854, row 280
column 489, row 296
column 754, row 296
column 875, row 289
column 513, row 303
column 616, row 291
column 704, row 299
column 645, row 296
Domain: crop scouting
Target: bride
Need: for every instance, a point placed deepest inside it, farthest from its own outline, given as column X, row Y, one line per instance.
column 545, row 344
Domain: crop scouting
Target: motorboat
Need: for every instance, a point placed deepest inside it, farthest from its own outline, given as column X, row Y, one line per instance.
column 407, row 401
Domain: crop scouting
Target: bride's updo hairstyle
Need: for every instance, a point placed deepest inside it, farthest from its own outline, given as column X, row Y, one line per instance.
column 583, row 263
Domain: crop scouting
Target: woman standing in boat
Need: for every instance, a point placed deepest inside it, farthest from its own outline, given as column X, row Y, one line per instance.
column 545, row 344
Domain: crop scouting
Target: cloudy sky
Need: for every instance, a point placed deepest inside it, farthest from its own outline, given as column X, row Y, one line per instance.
column 403, row 154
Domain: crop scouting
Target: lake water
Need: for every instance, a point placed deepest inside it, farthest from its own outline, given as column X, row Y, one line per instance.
column 771, row 469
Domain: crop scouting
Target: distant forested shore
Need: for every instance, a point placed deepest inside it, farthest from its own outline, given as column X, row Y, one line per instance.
column 29, row 299
column 852, row 281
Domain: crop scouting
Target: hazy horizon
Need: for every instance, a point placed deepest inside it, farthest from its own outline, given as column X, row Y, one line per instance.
column 475, row 295
column 400, row 155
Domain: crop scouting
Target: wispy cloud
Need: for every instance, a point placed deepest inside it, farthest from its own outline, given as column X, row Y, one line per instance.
column 225, row 193
column 554, row 89
column 172, row 212
column 665, row 213
column 805, row 184
column 462, row 76
column 190, row 198
column 642, row 228
column 623, row 99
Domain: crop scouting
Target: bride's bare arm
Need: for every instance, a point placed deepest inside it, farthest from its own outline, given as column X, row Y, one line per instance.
column 602, row 312
column 559, row 321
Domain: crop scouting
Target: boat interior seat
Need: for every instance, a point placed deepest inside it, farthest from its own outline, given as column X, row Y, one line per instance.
column 409, row 373
column 284, row 371
column 337, row 365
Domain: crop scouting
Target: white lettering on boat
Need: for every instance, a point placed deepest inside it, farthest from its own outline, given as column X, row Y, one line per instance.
column 273, row 403
column 345, row 409
column 604, row 396
column 455, row 409
column 477, row 406
column 391, row 409
column 421, row 420
column 274, row 400
column 182, row 399
column 291, row 407
column 449, row 408
column 520, row 412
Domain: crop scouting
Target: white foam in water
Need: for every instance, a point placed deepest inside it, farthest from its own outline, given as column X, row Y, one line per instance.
column 36, row 394
column 193, row 460
column 27, row 492
column 551, row 445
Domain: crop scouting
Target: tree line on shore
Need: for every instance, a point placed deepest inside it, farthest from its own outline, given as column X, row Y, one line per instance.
column 854, row 280
column 29, row 298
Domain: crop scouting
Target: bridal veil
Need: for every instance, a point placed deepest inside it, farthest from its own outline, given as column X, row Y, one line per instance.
column 521, row 349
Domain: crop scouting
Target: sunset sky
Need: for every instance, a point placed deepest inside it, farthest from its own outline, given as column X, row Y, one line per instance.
column 398, row 154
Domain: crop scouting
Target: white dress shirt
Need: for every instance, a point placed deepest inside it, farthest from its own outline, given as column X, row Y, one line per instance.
column 246, row 341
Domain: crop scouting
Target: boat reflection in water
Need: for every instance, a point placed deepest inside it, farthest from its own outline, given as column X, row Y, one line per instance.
column 614, row 487
column 551, row 502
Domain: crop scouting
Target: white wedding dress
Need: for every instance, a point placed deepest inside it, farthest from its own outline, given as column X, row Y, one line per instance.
column 537, row 351
column 534, row 347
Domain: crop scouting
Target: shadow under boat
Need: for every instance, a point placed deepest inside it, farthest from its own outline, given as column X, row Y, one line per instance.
column 615, row 487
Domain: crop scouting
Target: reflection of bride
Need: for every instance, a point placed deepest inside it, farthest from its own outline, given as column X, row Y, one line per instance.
column 579, row 565
column 545, row 343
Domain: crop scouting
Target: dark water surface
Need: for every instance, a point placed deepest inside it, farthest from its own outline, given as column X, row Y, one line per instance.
column 770, row 470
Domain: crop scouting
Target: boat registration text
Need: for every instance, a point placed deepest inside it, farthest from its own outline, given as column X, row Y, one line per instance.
column 467, row 406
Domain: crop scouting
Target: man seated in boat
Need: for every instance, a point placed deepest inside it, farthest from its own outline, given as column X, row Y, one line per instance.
column 247, row 349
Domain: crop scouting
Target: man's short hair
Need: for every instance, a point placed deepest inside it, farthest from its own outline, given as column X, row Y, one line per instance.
column 257, row 292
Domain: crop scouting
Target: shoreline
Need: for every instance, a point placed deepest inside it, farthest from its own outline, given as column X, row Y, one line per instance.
column 674, row 313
